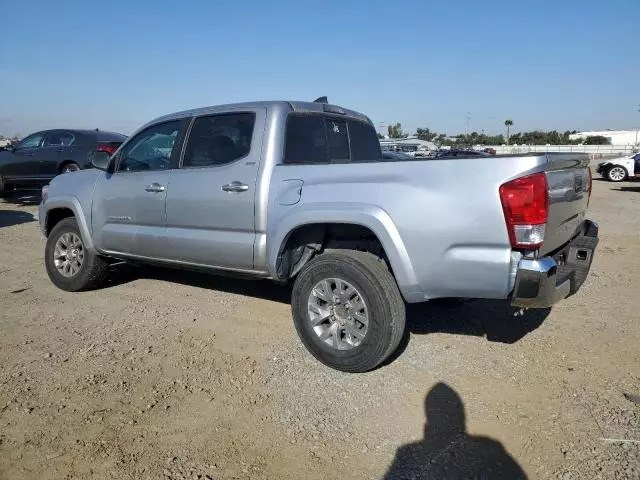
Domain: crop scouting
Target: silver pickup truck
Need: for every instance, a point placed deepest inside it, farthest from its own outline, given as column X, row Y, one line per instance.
column 299, row 192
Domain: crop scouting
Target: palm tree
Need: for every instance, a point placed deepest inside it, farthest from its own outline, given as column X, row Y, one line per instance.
column 508, row 123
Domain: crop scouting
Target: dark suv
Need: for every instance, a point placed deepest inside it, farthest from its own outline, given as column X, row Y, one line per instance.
column 38, row 158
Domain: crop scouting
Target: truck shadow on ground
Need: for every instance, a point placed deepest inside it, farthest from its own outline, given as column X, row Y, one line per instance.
column 493, row 319
column 26, row 198
column 627, row 189
column 447, row 451
column 8, row 218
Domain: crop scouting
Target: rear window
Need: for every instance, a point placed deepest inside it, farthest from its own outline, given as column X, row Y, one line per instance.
column 323, row 139
column 365, row 146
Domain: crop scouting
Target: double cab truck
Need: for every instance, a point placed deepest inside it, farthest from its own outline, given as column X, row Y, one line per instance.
column 298, row 192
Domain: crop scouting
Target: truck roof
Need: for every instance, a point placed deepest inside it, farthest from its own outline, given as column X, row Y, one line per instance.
column 293, row 106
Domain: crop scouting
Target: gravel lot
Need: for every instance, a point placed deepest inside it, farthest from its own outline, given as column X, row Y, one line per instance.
column 180, row 375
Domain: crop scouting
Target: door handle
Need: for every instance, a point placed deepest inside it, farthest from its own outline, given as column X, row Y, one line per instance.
column 29, row 154
column 235, row 187
column 154, row 187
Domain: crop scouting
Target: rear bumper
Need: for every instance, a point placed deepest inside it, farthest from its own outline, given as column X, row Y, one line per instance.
column 542, row 282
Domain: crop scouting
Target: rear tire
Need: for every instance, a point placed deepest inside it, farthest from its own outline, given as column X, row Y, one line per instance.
column 372, row 287
column 617, row 173
column 65, row 244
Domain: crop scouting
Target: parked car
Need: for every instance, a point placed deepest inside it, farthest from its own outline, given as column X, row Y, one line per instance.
column 299, row 192
column 397, row 156
column 460, row 153
column 620, row 169
column 38, row 158
column 489, row 151
column 423, row 153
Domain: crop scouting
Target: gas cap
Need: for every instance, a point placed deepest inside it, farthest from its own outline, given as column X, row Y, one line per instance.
column 290, row 192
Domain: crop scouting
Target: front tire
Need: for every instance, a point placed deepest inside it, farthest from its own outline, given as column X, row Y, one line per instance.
column 348, row 311
column 616, row 173
column 70, row 266
column 4, row 189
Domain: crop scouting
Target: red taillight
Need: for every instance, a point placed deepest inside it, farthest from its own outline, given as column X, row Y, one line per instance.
column 110, row 149
column 525, row 202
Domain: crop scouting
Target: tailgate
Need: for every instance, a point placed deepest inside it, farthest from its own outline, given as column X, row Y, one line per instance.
column 569, row 180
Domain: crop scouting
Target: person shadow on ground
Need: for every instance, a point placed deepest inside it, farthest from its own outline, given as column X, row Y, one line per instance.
column 447, row 451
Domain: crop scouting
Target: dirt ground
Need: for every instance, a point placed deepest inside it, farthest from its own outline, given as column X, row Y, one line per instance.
column 185, row 376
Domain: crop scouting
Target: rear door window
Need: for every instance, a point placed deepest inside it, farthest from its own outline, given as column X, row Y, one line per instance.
column 59, row 139
column 219, row 139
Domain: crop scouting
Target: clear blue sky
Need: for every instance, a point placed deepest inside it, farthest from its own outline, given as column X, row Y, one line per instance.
column 117, row 64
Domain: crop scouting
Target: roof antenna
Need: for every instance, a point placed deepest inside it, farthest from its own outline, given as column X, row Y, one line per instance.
column 321, row 100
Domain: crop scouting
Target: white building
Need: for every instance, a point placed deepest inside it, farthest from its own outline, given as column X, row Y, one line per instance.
column 616, row 137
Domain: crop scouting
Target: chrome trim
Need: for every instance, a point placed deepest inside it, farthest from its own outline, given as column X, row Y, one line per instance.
column 536, row 284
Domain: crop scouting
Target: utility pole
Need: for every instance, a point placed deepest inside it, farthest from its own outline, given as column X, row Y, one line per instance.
column 637, row 127
column 468, row 117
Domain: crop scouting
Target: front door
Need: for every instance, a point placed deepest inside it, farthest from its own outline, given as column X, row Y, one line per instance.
column 129, row 215
column 24, row 165
column 211, row 197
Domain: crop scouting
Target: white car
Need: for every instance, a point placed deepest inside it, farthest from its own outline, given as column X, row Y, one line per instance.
column 619, row 169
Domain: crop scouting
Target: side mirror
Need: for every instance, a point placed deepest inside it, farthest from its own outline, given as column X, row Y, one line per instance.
column 100, row 160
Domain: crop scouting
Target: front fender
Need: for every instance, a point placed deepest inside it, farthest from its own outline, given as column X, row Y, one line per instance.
column 370, row 216
column 73, row 204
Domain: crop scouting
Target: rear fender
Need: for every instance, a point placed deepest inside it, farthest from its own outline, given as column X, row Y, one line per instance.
column 369, row 216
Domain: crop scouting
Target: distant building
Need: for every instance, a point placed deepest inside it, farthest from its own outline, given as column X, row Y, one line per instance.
column 410, row 144
column 616, row 137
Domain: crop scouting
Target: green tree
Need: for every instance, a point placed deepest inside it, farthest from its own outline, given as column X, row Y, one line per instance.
column 395, row 131
column 380, row 136
column 597, row 140
column 508, row 123
column 426, row 134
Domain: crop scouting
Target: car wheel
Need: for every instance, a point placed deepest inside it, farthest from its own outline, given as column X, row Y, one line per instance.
column 69, row 264
column 70, row 167
column 348, row 311
column 617, row 173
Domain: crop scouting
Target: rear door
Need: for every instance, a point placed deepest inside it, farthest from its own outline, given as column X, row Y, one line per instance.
column 57, row 145
column 211, row 197
column 128, row 212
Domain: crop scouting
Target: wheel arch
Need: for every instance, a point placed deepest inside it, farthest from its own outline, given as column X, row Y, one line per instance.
column 64, row 207
column 310, row 225
column 64, row 163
